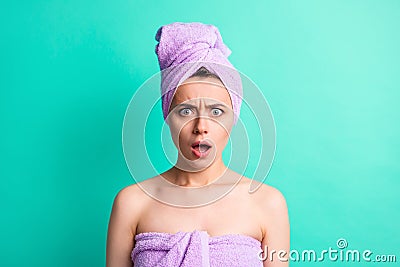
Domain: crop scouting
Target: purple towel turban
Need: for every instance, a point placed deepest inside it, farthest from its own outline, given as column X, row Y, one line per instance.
column 185, row 47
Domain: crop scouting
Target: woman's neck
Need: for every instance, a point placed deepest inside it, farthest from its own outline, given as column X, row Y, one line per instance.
column 199, row 178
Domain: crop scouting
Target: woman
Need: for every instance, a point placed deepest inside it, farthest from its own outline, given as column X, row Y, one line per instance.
column 198, row 213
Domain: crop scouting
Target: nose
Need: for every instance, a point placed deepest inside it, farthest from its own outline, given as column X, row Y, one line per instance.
column 201, row 125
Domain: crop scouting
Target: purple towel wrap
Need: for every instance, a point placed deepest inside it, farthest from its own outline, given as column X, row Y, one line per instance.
column 185, row 47
column 195, row 249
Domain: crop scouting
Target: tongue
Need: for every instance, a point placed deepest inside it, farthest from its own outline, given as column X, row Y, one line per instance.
column 201, row 148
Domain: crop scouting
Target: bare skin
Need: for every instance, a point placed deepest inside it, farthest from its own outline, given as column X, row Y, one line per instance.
column 262, row 215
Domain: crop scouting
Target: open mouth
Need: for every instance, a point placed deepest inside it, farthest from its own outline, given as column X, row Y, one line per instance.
column 200, row 148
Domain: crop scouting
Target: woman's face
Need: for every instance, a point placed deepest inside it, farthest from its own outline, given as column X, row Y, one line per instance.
column 200, row 122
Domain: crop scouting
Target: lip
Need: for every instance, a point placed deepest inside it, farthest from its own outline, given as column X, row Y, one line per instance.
column 200, row 154
column 203, row 142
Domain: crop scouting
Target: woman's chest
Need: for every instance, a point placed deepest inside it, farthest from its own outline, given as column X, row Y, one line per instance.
column 223, row 217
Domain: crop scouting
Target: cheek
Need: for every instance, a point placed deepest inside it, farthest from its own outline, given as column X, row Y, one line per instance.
column 179, row 133
column 174, row 131
column 225, row 122
column 221, row 137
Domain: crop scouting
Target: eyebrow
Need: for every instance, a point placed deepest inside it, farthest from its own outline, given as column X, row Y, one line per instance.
column 208, row 106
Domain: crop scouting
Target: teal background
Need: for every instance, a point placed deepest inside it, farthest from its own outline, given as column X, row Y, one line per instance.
column 330, row 72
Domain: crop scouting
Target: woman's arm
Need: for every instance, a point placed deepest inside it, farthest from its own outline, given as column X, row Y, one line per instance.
column 122, row 228
column 276, row 240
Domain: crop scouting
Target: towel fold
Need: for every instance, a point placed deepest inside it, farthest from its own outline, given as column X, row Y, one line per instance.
column 195, row 249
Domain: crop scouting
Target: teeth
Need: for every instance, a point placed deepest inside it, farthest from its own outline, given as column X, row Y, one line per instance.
column 201, row 147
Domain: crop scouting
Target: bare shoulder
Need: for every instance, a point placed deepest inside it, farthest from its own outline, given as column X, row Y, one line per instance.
column 127, row 208
column 131, row 196
column 129, row 204
column 271, row 197
column 127, row 194
column 270, row 205
column 266, row 196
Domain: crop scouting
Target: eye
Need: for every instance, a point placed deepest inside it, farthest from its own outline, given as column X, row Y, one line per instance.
column 217, row 112
column 185, row 112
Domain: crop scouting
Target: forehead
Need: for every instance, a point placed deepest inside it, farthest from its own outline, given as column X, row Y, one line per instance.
column 196, row 87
